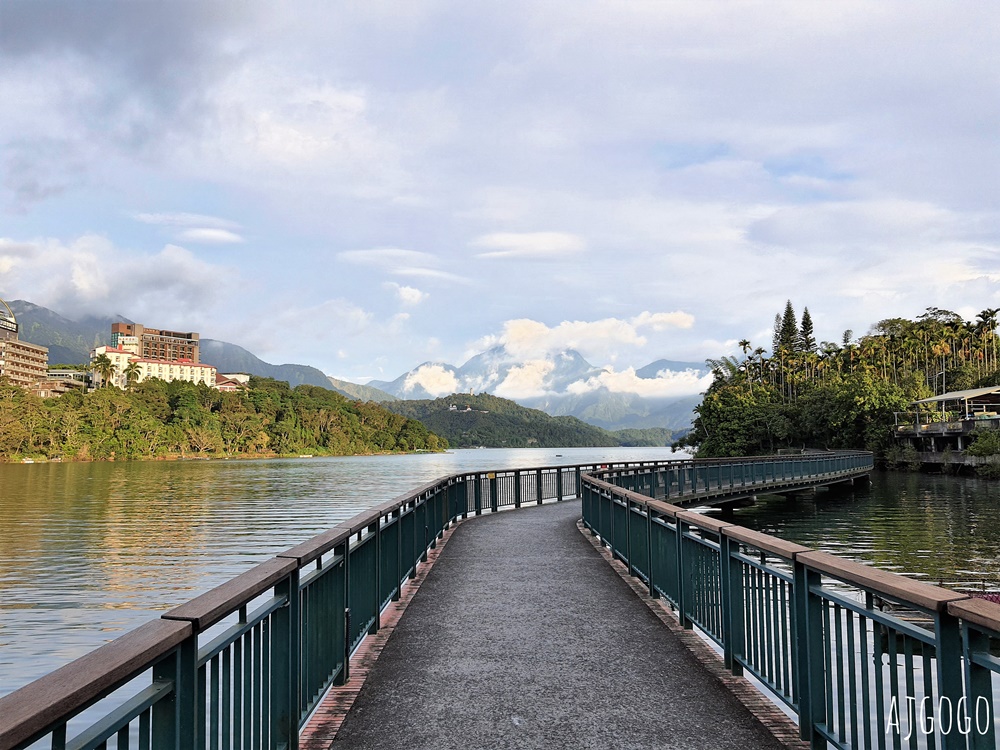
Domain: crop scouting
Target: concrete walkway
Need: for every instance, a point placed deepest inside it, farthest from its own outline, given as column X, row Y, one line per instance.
column 522, row 636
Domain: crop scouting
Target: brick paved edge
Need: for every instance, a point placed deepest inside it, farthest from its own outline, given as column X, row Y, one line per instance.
column 784, row 729
column 322, row 727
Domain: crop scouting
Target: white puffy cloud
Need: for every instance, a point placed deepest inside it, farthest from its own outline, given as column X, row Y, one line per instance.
column 526, row 380
column 435, row 379
column 407, row 295
column 528, row 245
column 90, row 275
column 528, row 339
column 666, row 384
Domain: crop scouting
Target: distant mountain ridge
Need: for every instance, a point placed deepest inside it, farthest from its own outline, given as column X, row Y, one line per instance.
column 661, row 394
column 469, row 421
column 565, row 384
column 71, row 341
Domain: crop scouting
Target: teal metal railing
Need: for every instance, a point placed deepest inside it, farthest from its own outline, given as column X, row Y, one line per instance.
column 244, row 665
column 862, row 657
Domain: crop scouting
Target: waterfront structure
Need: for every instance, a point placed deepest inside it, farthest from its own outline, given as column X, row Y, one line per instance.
column 163, row 369
column 947, row 422
column 21, row 363
column 154, row 343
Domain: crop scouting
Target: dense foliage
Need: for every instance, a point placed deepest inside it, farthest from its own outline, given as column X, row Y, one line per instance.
column 494, row 422
column 155, row 418
column 844, row 395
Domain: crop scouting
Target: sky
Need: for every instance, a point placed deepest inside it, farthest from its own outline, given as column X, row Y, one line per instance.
column 366, row 186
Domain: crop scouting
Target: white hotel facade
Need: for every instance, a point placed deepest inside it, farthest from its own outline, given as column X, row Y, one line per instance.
column 163, row 369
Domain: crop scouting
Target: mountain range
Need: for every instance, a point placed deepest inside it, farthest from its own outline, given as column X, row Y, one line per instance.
column 661, row 394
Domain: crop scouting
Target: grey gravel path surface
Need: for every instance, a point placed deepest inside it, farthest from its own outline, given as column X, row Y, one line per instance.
column 522, row 636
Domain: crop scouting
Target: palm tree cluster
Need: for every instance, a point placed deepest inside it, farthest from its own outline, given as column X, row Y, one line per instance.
column 937, row 352
column 801, row 393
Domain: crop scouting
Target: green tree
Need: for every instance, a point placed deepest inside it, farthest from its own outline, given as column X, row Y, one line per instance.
column 104, row 367
column 131, row 372
column 806, row 337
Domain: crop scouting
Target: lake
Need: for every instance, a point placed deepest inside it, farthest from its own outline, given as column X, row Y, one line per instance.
column 91, row 550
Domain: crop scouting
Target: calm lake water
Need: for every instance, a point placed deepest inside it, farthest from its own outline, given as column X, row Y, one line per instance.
column 89, row 551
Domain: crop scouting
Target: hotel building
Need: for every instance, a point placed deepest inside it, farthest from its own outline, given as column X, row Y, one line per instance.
column 154, row 344
column 21, row 363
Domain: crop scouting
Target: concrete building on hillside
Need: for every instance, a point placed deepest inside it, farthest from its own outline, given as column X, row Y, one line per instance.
column 152, row 343
column 21, row 363
column 164, row 369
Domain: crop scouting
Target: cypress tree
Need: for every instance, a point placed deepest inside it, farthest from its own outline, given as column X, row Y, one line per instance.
column 789, row 334
column 807, row 340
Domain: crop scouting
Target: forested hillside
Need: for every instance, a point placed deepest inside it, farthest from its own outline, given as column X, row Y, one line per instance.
column 157, row 419
column 801, row 393
column 494, row 422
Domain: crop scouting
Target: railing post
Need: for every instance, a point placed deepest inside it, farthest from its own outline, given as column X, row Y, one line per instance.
column 399, row 555
column 980, row 688
column 683, row 589
column 463, row 482
column 478, row 492
column 653, row 593
column 286, row 651
column 579, row 482
column 343, row 551
column 950, row 675
column 733, row 635
column 538, row 485
column 376, row 528
column 810, row 647
column 559, row 485
column 174, row 724
column 494, row 499
column 517, row 488
column 628, row 536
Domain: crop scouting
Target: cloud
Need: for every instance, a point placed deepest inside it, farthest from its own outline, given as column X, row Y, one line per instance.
column 666, row 384
column 401, row 262
column 407, row 295
column 434, row 379
column 526, row 380
column 527, row 245
column 528, row 339
column 386, row 257
column 90, row 275
column 181, row 219
column 209, row 236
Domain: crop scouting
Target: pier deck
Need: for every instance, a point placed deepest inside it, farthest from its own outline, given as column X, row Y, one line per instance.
column 523, row 636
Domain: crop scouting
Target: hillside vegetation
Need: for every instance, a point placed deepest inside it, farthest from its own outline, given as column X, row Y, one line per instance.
column 839, row 395
column 158, row 419
column 494, row 422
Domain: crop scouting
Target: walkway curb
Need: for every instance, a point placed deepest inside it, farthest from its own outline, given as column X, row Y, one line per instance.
column 321, row 729
column 784, row 729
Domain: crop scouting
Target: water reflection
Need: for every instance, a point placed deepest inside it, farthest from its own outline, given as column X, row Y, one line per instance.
column 942, row 529
column 89, row 551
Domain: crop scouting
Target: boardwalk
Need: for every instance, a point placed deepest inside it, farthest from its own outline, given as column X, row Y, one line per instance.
column 522, row 636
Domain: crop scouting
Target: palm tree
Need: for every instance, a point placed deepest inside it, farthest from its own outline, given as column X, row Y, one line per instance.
column 131, row 372
column 104, row 367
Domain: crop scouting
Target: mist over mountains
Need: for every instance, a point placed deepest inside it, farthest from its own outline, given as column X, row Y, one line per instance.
column 660, row 394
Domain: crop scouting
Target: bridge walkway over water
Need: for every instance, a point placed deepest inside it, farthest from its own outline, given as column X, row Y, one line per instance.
column 522, row 636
